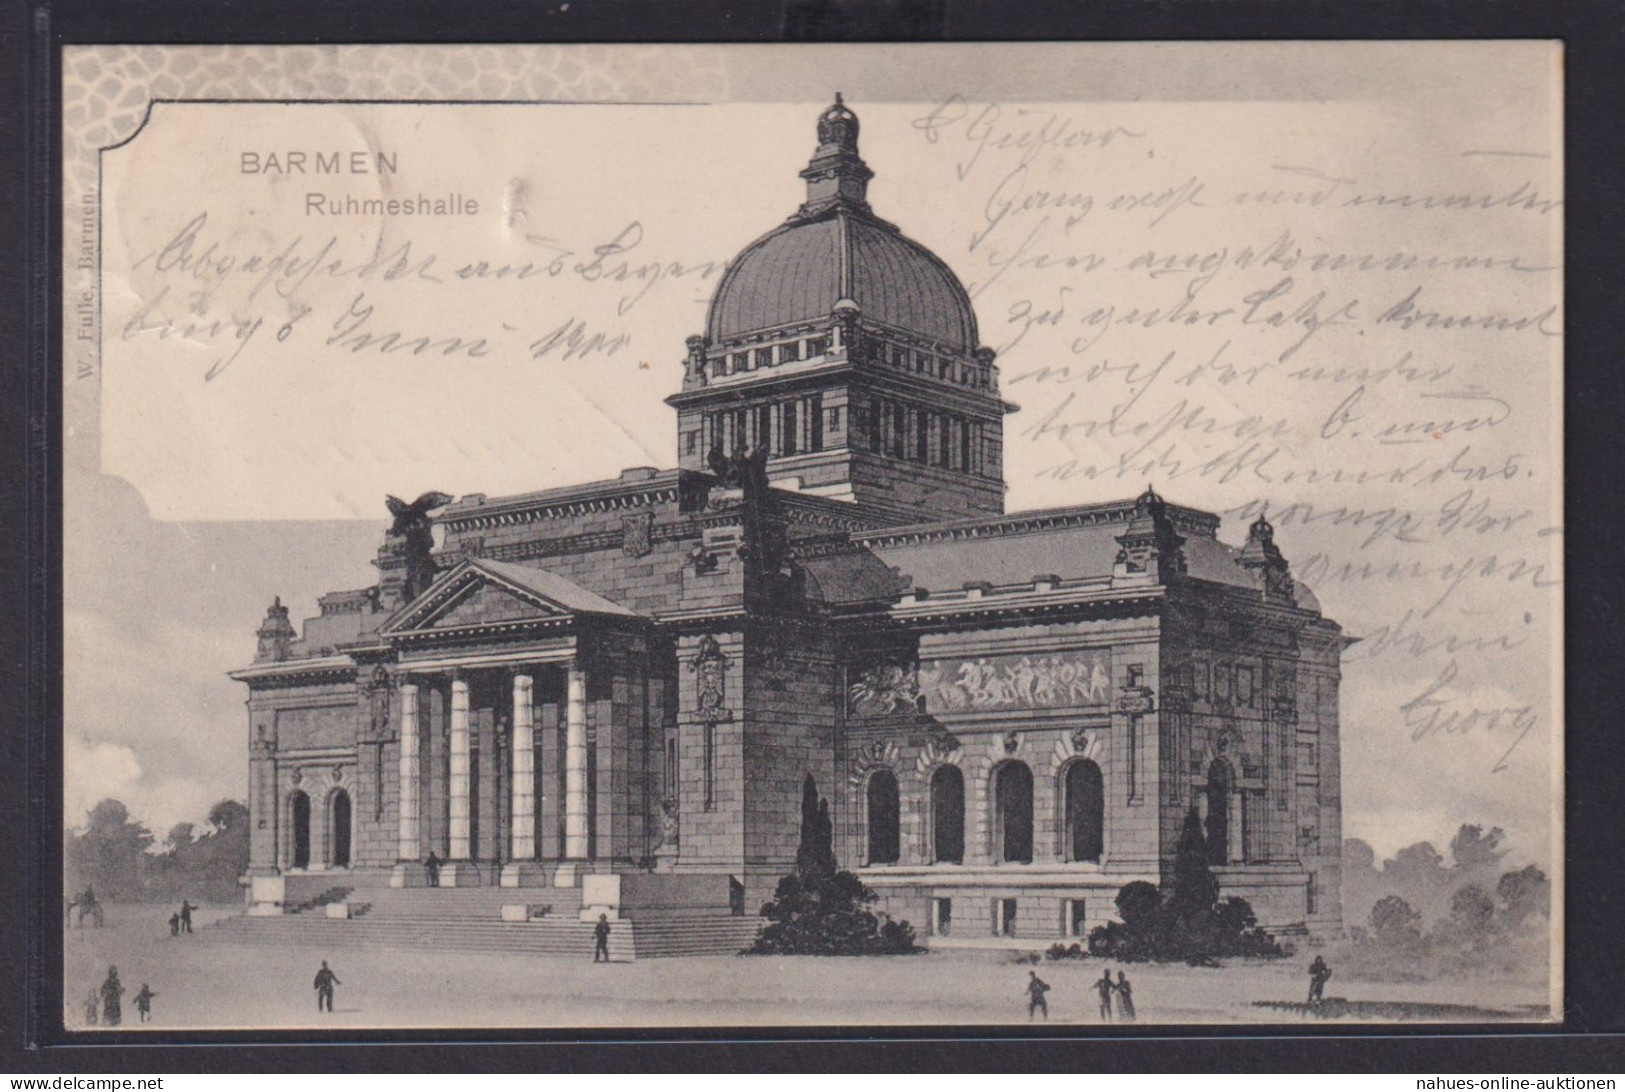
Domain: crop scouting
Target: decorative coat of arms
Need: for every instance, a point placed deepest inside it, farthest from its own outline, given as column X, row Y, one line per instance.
column 710, row 667
column 378, row 701
column 637, row 534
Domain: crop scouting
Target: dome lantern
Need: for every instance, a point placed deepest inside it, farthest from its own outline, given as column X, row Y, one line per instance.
column 836, row 176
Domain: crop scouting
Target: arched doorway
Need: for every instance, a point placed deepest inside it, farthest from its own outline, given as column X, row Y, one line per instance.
column 885, row 839
column 948, row 815
column 1085, row 811
column 299, row 805
column 1013, row 813
column 339, row 841
column 1218, row 812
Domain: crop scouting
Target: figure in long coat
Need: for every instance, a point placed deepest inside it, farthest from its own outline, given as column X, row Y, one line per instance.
column 1125, row 999
column 112, row 994
column 1318, row 974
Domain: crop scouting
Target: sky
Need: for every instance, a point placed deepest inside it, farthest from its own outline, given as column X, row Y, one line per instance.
column 1317, row 280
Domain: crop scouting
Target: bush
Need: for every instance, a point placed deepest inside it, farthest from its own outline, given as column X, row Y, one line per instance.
column 819, row 910
column 1192, row 924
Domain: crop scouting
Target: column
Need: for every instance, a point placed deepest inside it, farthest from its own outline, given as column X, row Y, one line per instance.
column 409, row 844
column 459, row 872
column 575, row 774
column 523, row 776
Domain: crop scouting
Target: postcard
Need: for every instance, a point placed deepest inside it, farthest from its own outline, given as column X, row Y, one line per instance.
column 748, row 536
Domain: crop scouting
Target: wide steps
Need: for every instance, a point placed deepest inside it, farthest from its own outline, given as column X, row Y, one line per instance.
column 469, row 919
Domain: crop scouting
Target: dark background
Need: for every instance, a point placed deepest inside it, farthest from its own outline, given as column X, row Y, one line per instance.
column 31, row 1036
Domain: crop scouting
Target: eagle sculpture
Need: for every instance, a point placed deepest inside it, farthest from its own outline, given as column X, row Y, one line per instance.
column 413, row 526
column 415, row 515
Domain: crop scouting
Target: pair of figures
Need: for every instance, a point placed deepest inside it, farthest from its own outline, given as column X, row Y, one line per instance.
column 1121, row 989
column 181, row 921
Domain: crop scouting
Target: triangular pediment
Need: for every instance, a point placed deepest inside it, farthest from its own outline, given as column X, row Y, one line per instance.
column 483, row 595
column 484, row 603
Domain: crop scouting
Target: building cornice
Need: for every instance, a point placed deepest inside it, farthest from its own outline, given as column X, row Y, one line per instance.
column 473, row 514
column 1189, row 520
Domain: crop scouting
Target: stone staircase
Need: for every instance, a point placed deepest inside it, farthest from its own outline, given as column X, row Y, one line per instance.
column 469, row 919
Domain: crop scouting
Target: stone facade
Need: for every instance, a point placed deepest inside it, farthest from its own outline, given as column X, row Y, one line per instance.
column 1009, row 715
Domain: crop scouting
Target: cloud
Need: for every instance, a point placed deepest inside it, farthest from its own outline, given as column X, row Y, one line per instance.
column 94, row 772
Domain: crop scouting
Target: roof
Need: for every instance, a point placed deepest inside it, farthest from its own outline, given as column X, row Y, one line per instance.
column 1072, row 544
column 552, row 587
column 799, row 271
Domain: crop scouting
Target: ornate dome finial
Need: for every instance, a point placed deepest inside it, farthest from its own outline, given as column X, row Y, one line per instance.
column 838, row 126
column 1261, row 528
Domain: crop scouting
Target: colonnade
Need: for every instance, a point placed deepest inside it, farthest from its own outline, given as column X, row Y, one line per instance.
column 522, row 795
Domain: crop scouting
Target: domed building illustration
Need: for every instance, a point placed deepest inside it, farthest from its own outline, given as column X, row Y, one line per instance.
column 607, row 698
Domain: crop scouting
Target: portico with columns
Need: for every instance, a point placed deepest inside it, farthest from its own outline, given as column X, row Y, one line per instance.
column 524, row 723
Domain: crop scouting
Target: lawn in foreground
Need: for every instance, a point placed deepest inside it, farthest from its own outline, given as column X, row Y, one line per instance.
column 221, row 985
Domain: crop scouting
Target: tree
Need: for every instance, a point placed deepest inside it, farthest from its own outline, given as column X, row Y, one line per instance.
column 1195, row 889
column 1473, row 848
column 815, row 853
column 179, row 838
column 207, row 867
column 1418, row 866
column 1524, row 893
column 1472, row 914
column 110, row 854
column 1138, row 904
column 820, row 910
column 1395, row 925
column 1358, row 856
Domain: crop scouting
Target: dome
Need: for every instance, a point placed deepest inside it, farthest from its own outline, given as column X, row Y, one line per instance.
column 834, row 250
column 799, row 272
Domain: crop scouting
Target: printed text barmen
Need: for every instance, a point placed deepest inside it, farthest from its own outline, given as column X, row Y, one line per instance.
column 318, row 163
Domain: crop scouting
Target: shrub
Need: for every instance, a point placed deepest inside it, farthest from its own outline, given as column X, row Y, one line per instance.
column 1191, row 923
column 820, row 910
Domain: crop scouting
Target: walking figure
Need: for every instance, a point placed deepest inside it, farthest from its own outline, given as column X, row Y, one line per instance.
column 1318, row 974
column 186, row 916
column 174, row 925
column 1105, row 987
column 600, row 934
column 325, row 981
column 1125, row 999
column 143, row 1002
column 112, row 994
column 432, row 867
column 92, row 1008
column 1036, row 989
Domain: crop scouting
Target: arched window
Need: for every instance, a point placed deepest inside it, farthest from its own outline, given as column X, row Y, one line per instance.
column 1085, row 811
column 1013, row 813
column 1218, row 812
column 299, row 806
column 339, row 841
column 948, row 815
column 884, row 837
